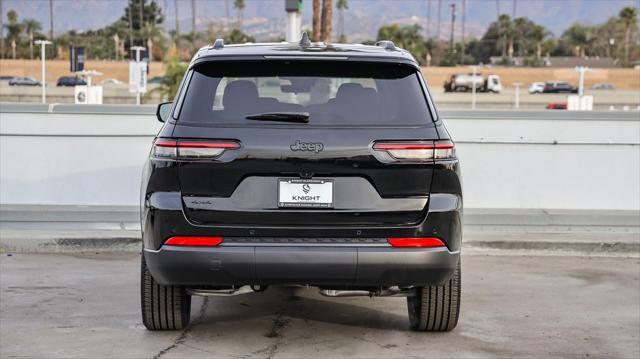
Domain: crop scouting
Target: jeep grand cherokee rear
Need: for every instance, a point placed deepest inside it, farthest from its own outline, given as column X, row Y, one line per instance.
column 293, row 164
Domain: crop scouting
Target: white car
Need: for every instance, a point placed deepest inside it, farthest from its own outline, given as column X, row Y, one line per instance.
column 536, row 87
column 112, row 82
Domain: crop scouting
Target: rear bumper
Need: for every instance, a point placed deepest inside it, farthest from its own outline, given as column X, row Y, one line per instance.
column 339, row 266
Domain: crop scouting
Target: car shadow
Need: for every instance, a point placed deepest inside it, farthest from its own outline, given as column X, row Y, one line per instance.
column 300, row 303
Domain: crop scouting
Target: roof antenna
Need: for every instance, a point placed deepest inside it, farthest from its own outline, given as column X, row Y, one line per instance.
column 218, row 44
column 304, row 41
column 386, row 44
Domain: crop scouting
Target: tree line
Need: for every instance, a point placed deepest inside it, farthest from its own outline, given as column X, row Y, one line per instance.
column 143, row 21
column 508, row 38
column 142, row 24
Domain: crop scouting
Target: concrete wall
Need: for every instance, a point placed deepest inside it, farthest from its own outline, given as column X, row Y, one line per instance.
column 93, row 155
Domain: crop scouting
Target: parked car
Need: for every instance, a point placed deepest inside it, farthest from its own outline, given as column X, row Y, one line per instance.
column 24, row 81
column 466, row 82
column 155, row 80
column 557, row 106
column 65, row 81
column 108, row 82
column 341, row 177
column 6, row 79
column 603, row 86
column 559, row 87
column 536, row 87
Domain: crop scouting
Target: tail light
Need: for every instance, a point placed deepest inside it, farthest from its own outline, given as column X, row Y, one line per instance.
column 416, row 242
column 192, row 241
column 191, row 149
column 415, row 151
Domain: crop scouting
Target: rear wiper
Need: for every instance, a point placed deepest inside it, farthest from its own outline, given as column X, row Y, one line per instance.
column 300, row 117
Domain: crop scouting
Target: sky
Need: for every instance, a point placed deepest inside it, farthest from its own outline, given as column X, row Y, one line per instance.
column 363, row 16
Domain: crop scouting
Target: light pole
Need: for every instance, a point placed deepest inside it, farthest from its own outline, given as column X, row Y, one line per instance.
column 581, row 71
column 43, row 44
column 473, row 88
column 517, row 96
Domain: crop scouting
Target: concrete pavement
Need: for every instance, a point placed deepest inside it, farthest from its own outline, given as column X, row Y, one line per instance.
column 87, row 305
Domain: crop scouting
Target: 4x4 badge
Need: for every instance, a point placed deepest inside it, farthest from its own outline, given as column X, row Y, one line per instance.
column 307, row 146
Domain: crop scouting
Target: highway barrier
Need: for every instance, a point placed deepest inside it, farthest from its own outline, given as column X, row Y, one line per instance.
column 86, row 155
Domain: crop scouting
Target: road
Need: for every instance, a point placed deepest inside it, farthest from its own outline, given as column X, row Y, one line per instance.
column 87, row 306
column 119, row 94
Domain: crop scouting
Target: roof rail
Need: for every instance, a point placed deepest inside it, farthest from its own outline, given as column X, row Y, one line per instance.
column 387, row 45
column 218, row 44
column 304, row 40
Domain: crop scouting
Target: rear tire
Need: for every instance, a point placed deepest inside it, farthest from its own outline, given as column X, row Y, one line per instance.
column 164, row 307
column 436, row 308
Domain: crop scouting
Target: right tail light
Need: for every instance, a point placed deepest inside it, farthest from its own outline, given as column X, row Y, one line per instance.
column 415, row 151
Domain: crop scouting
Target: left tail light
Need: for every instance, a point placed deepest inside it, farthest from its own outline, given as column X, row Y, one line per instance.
column 414, row 151
column 191, row 149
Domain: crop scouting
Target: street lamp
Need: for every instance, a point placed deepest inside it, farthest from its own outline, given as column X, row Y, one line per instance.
column 473, row 88
column 43, row 44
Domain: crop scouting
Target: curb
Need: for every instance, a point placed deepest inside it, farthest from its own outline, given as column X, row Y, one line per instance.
column 581, row 247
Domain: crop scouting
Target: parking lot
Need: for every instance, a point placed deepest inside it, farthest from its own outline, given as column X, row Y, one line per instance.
column 87, row 305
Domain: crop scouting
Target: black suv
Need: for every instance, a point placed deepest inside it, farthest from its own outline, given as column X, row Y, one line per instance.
column 302, row 164
column 559, row 87
column 69, row 81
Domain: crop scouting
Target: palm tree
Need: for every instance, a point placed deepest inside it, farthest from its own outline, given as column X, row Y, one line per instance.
column 30, row 27
column 193, row 16
column 14, row 30
column 538, row 34
column 317, row 26
column 51, row 20
column 154, row 35
column 174, row 72
column 628, row 16
column 521, row 27
column 1, row 32
column 226, row 15
column 239, row 5
column 506, row 31
column 341, row 5
column 175, row 7
column 327, row 20
column 580, row 38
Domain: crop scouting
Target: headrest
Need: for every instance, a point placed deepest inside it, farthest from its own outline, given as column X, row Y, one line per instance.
column 239, row 92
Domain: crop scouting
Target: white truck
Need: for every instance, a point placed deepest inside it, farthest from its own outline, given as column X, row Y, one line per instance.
column 466, row 82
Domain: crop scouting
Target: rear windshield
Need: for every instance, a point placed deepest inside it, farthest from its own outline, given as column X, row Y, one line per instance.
column 332, row 93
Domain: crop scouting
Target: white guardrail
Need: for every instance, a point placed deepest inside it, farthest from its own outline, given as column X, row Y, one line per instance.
column 93, row 156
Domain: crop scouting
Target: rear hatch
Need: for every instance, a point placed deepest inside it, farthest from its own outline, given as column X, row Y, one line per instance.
column 304, row 143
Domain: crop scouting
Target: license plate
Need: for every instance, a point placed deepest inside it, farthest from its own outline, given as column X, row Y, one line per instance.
column 305, row 193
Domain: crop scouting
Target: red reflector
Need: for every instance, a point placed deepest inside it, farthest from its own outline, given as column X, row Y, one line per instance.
column 421, row 242
column 194, row 241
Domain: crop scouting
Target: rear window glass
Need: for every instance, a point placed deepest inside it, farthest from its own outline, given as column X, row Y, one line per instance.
column 332, row 93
